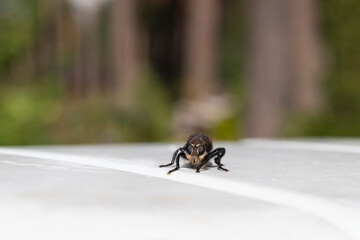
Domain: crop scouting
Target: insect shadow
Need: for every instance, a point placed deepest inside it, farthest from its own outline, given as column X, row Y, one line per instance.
column 207, row 166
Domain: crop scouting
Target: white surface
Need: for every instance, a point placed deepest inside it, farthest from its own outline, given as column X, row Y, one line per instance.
column 274, row 190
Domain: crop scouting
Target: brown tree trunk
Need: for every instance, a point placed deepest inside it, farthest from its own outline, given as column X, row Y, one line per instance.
column 123, row 50
column 85, row 75
column 305, row 94
column 77, row 76
column 200, row 50
column 91, row 56
column 268, row 68
column 283, row 63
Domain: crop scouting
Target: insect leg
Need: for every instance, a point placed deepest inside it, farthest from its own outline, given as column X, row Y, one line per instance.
column 218, row 154
column 173, row 159
column 204, row 161
column 177, row 162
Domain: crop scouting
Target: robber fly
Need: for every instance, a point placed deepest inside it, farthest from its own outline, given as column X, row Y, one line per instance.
column 198, row 151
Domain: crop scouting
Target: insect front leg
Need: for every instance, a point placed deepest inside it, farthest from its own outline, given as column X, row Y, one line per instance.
column 173, row 158
column 218, row 154
column 181, row 154
column 205, row 160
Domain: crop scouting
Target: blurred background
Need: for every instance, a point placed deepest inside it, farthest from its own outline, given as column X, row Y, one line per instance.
column 102, row 71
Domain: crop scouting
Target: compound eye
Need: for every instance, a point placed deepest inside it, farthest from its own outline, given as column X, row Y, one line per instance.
column 189, row 149
column 201, row 149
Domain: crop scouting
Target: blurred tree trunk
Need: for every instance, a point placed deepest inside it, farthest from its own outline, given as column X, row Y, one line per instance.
column 60, row 39
column 85, row 73
column 123, row 50
column 91, row 56
column 201, row 41
column 283, row 61
column 268, row 66
column 305, row 94
column 77, row 78
column 68, row 41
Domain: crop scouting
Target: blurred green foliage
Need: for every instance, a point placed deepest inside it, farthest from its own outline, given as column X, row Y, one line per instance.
column 37, row 110
column 27, row 113
column 18, row 21
column 40, row 114
column 340, row 116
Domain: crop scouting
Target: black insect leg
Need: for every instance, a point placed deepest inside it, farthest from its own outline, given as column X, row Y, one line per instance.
column 218, row 154
column 177, row 162
column 173, row 158
column 221, row 153
column 205, row 160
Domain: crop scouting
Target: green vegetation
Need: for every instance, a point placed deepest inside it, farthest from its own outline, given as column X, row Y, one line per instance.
column 17, row 26
column 36, row 107
column 341, row 114
column 27, row 113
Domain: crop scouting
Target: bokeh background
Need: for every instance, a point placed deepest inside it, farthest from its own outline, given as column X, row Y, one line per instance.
column 100, row 71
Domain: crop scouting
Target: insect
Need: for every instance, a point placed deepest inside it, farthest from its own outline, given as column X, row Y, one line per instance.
column 198, row 150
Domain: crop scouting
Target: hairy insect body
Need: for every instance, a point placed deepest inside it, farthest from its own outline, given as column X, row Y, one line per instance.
column 194, row 160
column 198, row 150
column 194, row 143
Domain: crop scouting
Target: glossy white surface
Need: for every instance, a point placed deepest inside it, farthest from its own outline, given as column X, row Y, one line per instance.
column 274, row 190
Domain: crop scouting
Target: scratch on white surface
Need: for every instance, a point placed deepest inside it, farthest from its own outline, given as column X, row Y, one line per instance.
column 344, row 218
